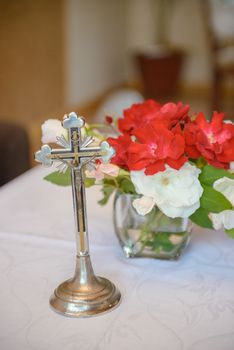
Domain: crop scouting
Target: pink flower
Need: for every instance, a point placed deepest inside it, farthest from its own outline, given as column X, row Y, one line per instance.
column 102, row 170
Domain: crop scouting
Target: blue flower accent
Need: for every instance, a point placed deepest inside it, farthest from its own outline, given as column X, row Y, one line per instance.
column 73, row 121
column 107, row 151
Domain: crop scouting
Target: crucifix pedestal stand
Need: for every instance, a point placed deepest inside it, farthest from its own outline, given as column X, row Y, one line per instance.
column 85, row 294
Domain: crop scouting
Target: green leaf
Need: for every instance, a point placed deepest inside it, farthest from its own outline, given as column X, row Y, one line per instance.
column 210, row 174
column 123, row 172
column 161, row 241
column 200, row 217
column 214, row 201
column 110, row 181
column 230, row 232
column 107, row 192
column 60, row 179
column 89, row 182
column 126, row 185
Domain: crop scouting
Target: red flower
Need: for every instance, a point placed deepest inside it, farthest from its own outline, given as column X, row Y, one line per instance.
column 171, row 114
column 120, row 145
column 138, row 115
column 190, row 135
column 109, row 119
column 158, row 146
column 149, row 111
column 213, row 140
column 156, row 135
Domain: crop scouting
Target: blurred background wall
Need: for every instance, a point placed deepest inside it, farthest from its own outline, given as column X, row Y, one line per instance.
column 32, row 58
column 59, row 55
column 102, row 35
column 95, row 47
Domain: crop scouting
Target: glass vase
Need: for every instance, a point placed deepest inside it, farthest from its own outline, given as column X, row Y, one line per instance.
column 154, row 235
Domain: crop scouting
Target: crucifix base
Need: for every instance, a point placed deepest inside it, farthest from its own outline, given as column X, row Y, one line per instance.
column 85, row 294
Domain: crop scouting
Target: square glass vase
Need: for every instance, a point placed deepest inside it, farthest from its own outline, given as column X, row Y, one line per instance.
column 154, row 235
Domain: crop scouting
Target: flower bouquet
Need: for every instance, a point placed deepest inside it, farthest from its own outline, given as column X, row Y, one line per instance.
column 168, row 168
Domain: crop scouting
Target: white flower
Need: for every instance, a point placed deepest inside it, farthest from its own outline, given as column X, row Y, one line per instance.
column 101, row 170
column 176, row 192
column 224, row 219
column 51, row 129
column 107, row 151
column 226, row 187
column 143, row 205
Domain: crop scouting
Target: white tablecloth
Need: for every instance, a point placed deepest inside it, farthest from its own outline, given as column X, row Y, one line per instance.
column 188, row 304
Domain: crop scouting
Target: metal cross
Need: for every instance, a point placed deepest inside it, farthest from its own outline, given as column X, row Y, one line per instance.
column 85, row 294
column 75, row 155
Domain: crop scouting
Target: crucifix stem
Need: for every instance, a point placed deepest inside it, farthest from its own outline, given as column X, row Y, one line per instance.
column 79, row 205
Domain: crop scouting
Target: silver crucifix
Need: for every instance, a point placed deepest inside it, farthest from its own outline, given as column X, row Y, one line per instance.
column 85, row 294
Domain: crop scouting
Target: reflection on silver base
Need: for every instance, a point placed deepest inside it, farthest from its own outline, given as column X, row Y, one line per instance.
column 85, row 294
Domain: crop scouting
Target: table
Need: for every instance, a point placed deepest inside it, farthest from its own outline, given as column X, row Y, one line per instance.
column 188, row 304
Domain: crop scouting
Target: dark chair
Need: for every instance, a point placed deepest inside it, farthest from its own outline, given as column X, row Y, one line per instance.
column 14, row 152
column 219, row 24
